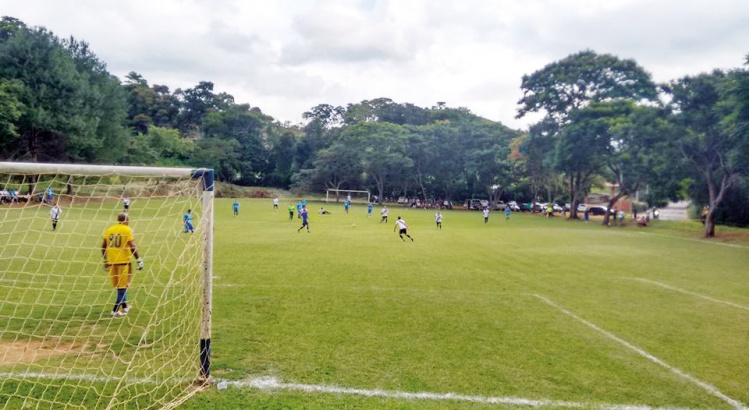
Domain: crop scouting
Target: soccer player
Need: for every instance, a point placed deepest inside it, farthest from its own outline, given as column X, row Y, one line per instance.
column 117, row 246
column 187, row 221
column 384, row 214
column 507, row 213
column 276, row 203
column 439, row 220
column 236, row 208
column 346, row 206
column 126, row 203
column 305, row 224
column 486, row 214
column 369, row 209
column 55, row 213
column 402, row 229
column 291, row 212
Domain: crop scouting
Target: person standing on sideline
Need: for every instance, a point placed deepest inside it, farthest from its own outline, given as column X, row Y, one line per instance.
column 236, row 208
column 305, row 223
column 55, row 213
column 291, row 212
column 402, row 229
column 117, row 246
column 486, row 214
column 276, row 203
column 187, row 221
column 126, row 204
column 586, row 215
column 439, row 220
column 384, row 214
column 507, row 213
column 369, row 209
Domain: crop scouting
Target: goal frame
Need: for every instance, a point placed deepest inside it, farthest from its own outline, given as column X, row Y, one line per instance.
column 207, row 202
column 338, row 193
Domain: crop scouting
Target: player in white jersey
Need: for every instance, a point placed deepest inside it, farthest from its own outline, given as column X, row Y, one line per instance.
column 55, row 213
column 439, row 220
column 402, row 229
column 384, row 214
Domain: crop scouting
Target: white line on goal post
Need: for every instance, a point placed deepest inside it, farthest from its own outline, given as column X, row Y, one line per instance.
column 207, row 200
column 705, row 386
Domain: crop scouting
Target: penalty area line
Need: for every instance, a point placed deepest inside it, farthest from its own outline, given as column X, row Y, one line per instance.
column 705, row 386
column 271, row 383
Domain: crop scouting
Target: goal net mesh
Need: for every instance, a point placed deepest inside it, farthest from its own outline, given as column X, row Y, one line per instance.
column 60, row 347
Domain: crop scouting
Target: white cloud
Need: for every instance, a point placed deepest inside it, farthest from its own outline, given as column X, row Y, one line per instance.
column 286, row 56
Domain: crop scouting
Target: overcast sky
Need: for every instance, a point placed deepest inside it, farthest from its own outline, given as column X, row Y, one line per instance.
column 287, row 56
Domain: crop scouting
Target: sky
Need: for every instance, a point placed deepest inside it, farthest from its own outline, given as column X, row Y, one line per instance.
column 288, row 56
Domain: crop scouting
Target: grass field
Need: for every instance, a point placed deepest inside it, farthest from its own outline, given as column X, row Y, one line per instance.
column 533, row 312
column 536, row 311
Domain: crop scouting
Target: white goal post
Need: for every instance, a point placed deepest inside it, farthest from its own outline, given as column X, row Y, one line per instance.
column 339, row 195
column 60, row 346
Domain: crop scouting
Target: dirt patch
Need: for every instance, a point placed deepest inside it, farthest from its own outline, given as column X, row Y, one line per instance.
column 30, row 351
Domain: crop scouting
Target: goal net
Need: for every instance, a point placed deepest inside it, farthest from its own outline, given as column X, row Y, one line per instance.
column 60, row 345
column 341, row 195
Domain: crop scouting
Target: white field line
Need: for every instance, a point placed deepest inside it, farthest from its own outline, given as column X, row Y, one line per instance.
column 687, row 292
column 705, row 386
column 270, row 383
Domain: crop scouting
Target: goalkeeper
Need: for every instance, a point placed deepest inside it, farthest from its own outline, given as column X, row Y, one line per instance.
column 117, row 246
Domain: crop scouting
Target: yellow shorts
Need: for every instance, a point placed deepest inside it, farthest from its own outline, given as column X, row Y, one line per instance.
column 120, row 275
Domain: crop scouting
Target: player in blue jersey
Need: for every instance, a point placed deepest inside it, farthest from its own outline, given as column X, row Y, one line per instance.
column 236, row 208
column 305, row 223
column 369, row 209
column 187, row 221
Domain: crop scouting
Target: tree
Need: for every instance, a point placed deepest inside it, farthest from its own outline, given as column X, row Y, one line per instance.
column 571, row 83
column 564, row 87
column 711, row 113
column 71, row 108
column 382, row 150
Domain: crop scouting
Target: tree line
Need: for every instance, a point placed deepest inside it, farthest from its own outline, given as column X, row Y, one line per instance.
column 603, row 120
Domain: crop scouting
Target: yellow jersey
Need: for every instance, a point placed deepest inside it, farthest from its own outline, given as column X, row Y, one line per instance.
column 117, row 238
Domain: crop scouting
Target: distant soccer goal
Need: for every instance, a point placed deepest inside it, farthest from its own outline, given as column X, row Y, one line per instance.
column 341, row 195
column 61, row 346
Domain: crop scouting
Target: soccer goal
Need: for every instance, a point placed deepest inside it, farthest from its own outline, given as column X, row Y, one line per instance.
column 60, row 345
column 341, row 195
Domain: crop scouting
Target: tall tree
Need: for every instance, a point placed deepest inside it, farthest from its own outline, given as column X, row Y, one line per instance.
column 561, row 88
column 383, row 150
column 711, row 111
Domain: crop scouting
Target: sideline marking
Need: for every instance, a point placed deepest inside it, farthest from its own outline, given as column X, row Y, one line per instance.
column 687, row 292
column 705, row 386
column 271, row 383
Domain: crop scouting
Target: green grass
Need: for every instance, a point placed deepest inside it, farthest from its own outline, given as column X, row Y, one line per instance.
column 459, row 310
column 476, row 310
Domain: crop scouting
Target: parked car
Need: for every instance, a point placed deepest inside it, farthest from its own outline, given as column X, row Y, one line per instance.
column 500, row 206
column 514, row 206
column 599, row 210
column 581, row 207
